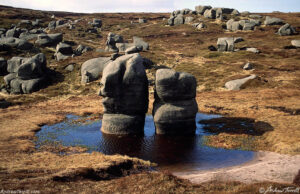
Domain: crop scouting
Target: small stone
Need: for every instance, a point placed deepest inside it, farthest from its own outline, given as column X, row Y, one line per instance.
column 70, row 67
column 248, row 66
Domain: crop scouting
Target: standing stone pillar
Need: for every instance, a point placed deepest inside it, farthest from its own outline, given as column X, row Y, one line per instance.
column 175, row 107
column 125, row 95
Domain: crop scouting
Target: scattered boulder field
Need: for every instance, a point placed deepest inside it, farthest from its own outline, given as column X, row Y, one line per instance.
column 213, row 60
column 29, row 35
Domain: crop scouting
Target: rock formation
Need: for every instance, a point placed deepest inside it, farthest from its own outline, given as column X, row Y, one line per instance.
column 125, row 95
column 175, row 107
column 92, row 69
column 286, row 30
column 225, row 44
column 26, row 75
column 238, row 83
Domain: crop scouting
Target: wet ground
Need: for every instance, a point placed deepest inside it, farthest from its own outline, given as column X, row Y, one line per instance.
column 173, row 153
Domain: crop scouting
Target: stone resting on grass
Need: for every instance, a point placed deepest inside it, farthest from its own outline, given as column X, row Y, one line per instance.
column 125, row 95
column 175, row 107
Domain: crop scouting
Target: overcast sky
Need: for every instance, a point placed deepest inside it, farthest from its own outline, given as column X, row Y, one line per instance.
column 90, row 6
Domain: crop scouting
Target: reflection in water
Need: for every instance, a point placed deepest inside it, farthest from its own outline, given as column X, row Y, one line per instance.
column 175, row 153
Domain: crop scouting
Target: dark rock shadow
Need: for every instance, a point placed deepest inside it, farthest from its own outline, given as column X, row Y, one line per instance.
column 236, row 125
column 54, row 77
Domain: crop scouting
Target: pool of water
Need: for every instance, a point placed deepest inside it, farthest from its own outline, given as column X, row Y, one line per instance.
column 173, row 153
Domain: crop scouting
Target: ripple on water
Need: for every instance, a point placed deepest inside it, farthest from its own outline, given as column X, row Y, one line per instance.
column 174, row 153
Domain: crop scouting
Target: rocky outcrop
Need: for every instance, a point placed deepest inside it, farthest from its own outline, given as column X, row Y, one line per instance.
column 175, row 107
column 27, row 75
column 226, row 44
column 92, row 69
column 82, row 49
column 15, row 32
column 296, row 43
column 49, row 39
column 8, row 43
column 273, row 21
column 238, row 83
column 133, row 49
column 286, row 30
column 57, row 24
column 125, row 96
column 179, row 19
column 210, row 13
column 63, row 51
column 242, row 24
column 201, row 9
column 188, row 20
column 112, row 40
column 137, row 42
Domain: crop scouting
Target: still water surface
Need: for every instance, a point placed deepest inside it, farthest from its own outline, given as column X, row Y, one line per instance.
column 173, row 153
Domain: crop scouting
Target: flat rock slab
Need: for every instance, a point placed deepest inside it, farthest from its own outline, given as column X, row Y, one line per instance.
column 267, row 166
column 238, row 83
column 296, row 43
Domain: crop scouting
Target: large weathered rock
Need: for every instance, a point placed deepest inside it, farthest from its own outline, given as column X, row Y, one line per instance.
column 111, row 41
column 122, row 47
column 188, row 20
column 125, row 95
column 63, row 51
column 247, row 24
column 122, row 124
column 286, row 30
column 28, row 36
column 201, row 9
column 233, row 25
column 273, row 21
column 238, row 83
column 133, row 49
column 171, row 85
column 15, row 32
column 225, row 44
column 139, row 42
column 3, row 66
column 296, row 43
column 17, row 43
column 52, row 25
column 210, row 13
column 32, row 68
column 64, row 48
column 26, row 74
column 175, row 118
column 49, row 39
column 92, row 69
column 19, row 86
column 14, row 63
column 179, row 19
column 175, row 107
